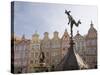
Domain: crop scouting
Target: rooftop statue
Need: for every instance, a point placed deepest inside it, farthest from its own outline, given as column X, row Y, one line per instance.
column 72, row 21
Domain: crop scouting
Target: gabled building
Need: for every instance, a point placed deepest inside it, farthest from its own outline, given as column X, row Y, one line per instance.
column 79, row 46
column 65, row 40
column 91, row 47
column 35, row 51
column 46, row 48
column 21, row 55
column 55, row 49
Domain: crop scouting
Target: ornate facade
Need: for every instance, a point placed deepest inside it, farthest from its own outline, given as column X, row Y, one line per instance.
column 21, row 54
column 79, row 46
column 27, row 52
column 55, row 49
column 65, row 40
column 35, row 52
column 91, row 47
column 46, row 48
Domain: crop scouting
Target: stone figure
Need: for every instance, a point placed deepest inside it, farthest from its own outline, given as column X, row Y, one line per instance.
column 42, row 57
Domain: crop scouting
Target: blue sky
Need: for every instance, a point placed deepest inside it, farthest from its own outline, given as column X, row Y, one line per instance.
column 30, row 17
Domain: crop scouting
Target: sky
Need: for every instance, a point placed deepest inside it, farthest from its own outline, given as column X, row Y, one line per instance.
column 30, row 17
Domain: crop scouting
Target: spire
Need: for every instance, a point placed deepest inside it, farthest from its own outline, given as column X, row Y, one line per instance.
column 78, row 32
column 91, row 23
column 23, row 37
column 92, row 31
column 65, row 35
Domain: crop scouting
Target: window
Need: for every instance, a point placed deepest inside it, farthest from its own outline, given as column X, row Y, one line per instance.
column 56, row 46
column 24, row 55
column 47, row 53
column 94, row 42
column 63, row 49
column 54, row 53
column 36, row 54
column 24, row 62
column 36, row 46
column 31, row 61
column 36, row 61
column 47, row 61
column 47, row 45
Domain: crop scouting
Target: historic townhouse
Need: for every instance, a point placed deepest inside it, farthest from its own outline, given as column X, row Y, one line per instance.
column 21, row 54
column 55, row 49
column 79, row 46
column 46, row 48
column 65, row 40
column 35, row 51
column 91, row 47
column 27, row 52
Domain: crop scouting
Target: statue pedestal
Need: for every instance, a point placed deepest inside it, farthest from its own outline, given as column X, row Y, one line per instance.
column 69, row 62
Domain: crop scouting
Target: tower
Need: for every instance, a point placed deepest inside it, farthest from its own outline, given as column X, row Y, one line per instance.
column 91, row 47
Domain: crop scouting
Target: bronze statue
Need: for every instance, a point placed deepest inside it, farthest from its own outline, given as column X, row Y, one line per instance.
column 72, row 21
column 69, row 62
